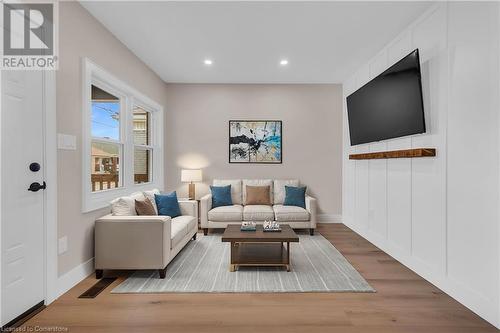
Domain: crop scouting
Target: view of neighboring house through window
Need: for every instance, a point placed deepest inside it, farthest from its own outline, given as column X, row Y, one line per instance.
column 143, row 150
column 106, row 140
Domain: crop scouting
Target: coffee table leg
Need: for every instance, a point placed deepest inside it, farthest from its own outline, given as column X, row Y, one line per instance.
column 288, row 256
column 232, row 267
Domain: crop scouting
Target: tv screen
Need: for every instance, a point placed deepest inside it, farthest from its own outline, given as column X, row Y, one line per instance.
column 390, row 105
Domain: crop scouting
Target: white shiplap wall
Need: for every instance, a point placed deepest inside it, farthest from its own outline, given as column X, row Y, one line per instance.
column 439, row 216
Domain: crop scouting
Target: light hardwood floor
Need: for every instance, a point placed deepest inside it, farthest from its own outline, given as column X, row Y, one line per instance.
column 404, row 302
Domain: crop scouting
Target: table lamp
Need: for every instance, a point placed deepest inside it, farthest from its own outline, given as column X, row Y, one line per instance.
column 191, row 176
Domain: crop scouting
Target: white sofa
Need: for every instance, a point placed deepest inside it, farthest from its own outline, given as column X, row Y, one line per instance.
column 143, row 242
column 220, row 217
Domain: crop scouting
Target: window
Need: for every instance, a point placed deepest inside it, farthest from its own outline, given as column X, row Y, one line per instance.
column 143, row 151
column 122, row 139
column 106, row 145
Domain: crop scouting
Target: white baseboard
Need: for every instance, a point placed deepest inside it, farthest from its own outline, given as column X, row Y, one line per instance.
column 74, row 276
column 329, row 218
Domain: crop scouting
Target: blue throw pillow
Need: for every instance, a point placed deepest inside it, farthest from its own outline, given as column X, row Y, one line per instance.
column 295, row 196
column 221, row 196
column 167, row 204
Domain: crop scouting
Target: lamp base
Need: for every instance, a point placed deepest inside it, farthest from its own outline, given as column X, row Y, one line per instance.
column 191, row 192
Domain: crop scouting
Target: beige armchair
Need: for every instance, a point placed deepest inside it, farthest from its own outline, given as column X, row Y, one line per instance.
column 143, row 242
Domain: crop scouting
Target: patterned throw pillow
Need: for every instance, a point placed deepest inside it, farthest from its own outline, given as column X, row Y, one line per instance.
column 167, row 204
column 144, row 207
column 295, row 196
column 221, row 196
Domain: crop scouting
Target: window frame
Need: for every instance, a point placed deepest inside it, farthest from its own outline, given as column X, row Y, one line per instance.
column 151, row 132
column 92, row 74
column 121, row 133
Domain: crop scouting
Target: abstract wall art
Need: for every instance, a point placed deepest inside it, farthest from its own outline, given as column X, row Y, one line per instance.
column 255, row 141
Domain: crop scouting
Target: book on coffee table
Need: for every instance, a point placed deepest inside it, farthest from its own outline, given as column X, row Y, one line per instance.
column 272, row 229
column 248, row 228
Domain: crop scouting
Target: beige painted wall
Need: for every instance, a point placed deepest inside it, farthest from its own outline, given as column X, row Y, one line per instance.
column 83, row 36
column 197, row 134
column 196, row 121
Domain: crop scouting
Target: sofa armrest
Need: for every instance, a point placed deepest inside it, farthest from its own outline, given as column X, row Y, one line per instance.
column 205, row 207
column 189, row 207
column 311, row 207
column 132, row 242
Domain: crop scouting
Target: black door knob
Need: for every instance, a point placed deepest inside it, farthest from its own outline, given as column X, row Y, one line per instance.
column 35, row 187
column 35, row 166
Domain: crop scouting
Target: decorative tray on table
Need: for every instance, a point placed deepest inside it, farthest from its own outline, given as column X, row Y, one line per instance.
column 271, row 226
column 248, row 226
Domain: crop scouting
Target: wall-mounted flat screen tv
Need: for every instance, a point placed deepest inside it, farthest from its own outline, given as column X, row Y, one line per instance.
column 388, row 106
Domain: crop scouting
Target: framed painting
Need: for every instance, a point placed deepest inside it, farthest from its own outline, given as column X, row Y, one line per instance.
column 255, row 141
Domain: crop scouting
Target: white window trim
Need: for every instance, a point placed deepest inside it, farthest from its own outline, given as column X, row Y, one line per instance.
column 102, row 84
column 96, row 200
column 152, row 131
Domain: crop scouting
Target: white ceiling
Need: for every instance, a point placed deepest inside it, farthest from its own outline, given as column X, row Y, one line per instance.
column 323, row 41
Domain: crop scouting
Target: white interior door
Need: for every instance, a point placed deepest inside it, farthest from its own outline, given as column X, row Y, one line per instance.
column 22, row 210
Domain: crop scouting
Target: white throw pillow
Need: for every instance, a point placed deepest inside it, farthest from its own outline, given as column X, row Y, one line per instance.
column 151, row 196
column 123, row 206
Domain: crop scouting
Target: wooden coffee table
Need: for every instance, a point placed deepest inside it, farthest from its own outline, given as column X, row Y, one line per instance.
column 259, row 248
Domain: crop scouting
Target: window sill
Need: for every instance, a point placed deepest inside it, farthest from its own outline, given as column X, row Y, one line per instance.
column 100, row 200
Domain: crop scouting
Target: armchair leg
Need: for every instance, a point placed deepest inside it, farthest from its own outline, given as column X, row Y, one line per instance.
column 99, row 273
column 311, row 232
column 194, row 236
column 163, row 272
column 205, row 231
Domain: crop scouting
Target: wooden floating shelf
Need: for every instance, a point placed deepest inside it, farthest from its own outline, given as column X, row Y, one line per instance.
column 406, row 153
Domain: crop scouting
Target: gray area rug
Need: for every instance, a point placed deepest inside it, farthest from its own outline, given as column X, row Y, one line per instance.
column 203, row 266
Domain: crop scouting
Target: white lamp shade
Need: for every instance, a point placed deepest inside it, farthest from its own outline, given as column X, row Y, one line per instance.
column 191, row 176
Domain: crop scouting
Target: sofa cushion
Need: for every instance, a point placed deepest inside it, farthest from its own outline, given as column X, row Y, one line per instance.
column 226, row 214
column 258, row 213
column 290, row 214
column 167, row 204
column 258, row 195
column 221, row 196
column 125, row 206
column 279, row 189
column 192, row 224
column 235, row 188
column 257, row 182
column 180, row 226
column 187, row 220
column 178, row 232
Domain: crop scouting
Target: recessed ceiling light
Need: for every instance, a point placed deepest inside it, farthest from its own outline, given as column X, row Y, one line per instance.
column 284, row 62
column 207, row 62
